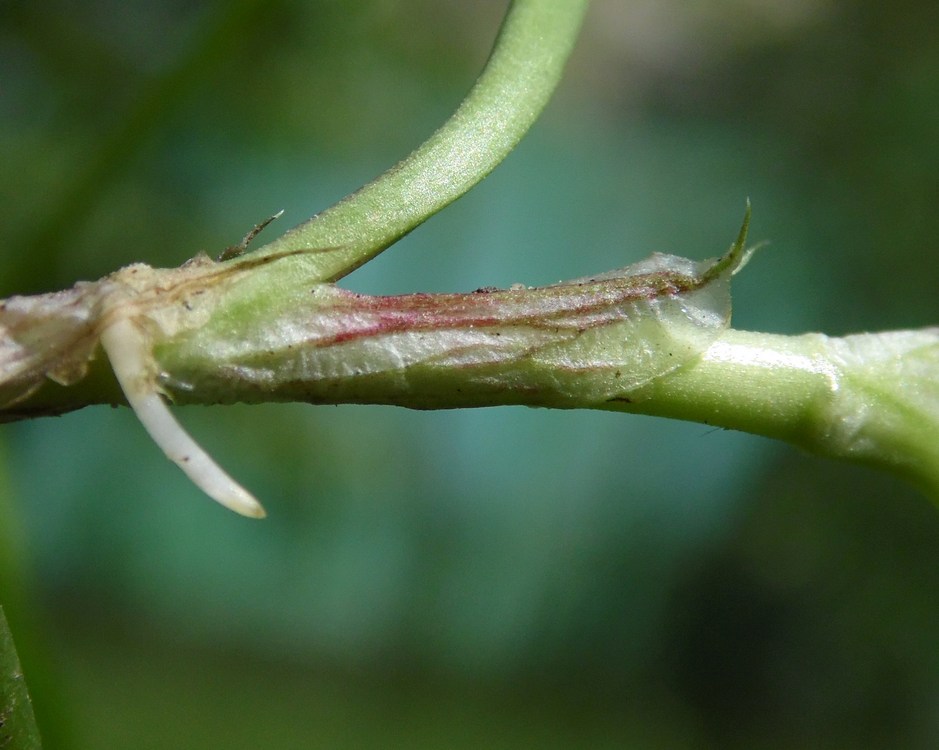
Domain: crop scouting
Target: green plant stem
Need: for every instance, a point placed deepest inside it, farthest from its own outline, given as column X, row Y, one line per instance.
column 525, row 67
column 871, row 398
column 653, row 338
column 649, row 339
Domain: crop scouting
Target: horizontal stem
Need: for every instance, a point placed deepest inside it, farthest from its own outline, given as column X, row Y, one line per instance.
column 651, row 339
column 762, row 383
column 872, row 398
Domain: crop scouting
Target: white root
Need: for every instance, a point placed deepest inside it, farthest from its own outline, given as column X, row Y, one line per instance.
column 128, row 353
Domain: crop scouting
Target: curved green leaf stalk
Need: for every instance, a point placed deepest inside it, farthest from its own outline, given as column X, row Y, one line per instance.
column 523, row 70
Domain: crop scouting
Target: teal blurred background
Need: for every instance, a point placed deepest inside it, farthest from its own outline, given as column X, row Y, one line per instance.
column 495, row 578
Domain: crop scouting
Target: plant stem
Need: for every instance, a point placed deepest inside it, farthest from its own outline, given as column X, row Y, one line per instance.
column 525, row 67
column 872, row 398
column 652, row 338
column 648, row 339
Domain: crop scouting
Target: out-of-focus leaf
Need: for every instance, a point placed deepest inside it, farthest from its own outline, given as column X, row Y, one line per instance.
column 18, row 729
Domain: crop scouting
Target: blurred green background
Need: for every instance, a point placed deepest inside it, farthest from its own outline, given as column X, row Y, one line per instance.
column 496, row 578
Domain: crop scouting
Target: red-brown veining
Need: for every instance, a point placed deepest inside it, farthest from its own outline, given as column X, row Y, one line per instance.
column 577, row 305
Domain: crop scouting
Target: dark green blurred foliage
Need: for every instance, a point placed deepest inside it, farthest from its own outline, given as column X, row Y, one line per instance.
column 18, row 730
column 499, row 578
